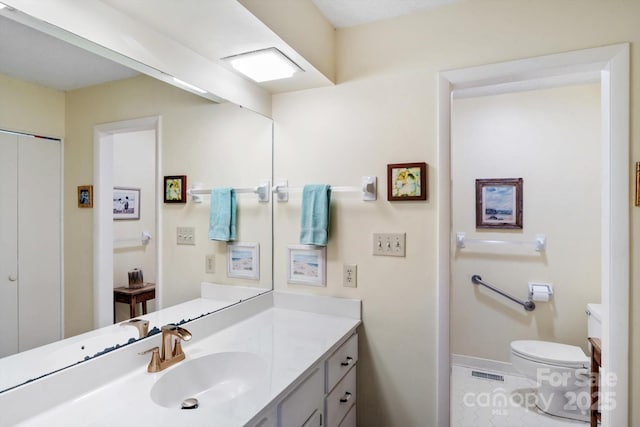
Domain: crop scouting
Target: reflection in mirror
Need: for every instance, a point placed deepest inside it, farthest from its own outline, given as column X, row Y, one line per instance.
column 217, row 145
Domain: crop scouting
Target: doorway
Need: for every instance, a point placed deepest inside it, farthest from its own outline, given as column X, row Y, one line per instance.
column 611, row 65
column 106, row 138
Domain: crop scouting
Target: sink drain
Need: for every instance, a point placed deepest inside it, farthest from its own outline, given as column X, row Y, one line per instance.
column 190, row 403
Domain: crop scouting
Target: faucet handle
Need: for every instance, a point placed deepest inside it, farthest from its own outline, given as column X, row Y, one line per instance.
column 154, row 363
column 140, row 324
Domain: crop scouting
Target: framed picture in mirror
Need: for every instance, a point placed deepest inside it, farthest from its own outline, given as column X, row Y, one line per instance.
column 85, row 196
column 126, row 203
column 243, row 260
column 175, row 189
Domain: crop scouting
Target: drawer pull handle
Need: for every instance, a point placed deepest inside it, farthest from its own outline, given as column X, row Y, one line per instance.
column 346, row 397
column 348, row 361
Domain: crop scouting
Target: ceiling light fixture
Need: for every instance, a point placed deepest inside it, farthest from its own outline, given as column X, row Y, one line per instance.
column 188, row 85
column 264, row 65
column 2, row 6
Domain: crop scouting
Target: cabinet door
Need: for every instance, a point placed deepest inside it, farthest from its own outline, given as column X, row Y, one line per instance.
column 8, row 244
column 299, row 406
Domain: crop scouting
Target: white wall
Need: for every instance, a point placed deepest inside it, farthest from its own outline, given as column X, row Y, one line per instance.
column 551, row 139
column 383, row 110
column 134, row 166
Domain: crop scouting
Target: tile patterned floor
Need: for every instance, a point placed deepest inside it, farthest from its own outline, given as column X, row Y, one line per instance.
column 479, row 402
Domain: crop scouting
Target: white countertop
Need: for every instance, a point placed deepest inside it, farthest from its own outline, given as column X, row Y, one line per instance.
column 288, row 340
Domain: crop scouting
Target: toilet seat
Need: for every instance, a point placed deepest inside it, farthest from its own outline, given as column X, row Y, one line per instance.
column 550, row 353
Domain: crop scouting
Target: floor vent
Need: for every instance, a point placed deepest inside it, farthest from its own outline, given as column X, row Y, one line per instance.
column 487, row 376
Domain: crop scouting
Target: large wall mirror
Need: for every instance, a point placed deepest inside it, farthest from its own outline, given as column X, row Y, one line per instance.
column 215, row 145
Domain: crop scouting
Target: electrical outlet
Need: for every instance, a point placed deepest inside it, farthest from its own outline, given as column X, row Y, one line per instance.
column 350, row 275
column 389, row 244
column 210, row 264
column 186, row 235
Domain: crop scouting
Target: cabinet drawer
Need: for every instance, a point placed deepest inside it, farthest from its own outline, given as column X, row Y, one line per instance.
column 339, row 363
column 350, row 419
column 341, row 399
column 299, row 405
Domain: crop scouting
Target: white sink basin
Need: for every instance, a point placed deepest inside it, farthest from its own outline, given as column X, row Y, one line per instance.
column 212, row 379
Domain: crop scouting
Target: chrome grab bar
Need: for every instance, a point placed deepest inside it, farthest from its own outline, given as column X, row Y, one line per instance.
column 528, row 304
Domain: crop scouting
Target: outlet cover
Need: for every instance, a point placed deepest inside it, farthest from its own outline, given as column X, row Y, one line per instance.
column 210, row 264
column 350, row 275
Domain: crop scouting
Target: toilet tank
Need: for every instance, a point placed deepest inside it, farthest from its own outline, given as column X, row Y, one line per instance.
column 594, row 320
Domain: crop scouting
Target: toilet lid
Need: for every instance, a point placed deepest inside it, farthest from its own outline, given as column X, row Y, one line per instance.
column 551, row 353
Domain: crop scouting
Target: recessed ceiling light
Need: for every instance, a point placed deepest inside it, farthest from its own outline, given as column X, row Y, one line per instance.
column 188, row 85
column 2, row 5
column 264, row 65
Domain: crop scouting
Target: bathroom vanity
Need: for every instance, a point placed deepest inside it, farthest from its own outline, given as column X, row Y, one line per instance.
column 277, row 359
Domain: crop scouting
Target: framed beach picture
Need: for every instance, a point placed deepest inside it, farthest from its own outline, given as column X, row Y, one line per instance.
column 126, row 203
column 175, row 189
column 407, row 181
column 85, row 196
column 499, row 203
column 306, row 265
column 243, row 260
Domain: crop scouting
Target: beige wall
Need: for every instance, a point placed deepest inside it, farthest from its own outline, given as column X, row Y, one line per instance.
column 551, row 139
column 383, row 110
column 31, row 108
column 217, row 144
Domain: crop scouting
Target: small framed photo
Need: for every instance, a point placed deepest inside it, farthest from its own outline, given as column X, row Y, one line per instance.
column 85, row 196
column 126, row 203
column 637, row 183
column 243, row 260
column 175, row 189
column 407, row 181
column 499, row 203
column 306, row 265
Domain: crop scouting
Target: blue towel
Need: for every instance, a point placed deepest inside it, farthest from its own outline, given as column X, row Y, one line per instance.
column 222, row 214
column 314, row 228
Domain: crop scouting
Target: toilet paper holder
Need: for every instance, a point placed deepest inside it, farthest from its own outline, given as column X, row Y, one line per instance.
column 540, row 291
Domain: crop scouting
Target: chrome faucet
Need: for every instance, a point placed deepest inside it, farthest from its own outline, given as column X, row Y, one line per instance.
column 140, row 324
column 172, row 336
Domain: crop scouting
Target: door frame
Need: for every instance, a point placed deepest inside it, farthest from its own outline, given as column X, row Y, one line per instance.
column 103, row 136
column 611, row 64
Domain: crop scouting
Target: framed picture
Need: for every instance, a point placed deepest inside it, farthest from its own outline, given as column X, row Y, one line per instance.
column 306, row 265
column 637, row 183
column 499, row 203
column 126, row 203
column 85, row 196
column 407, row 181
column 175, row 189
column 243, row 260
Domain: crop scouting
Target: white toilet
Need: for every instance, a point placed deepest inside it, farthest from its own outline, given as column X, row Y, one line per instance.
column 560, row 370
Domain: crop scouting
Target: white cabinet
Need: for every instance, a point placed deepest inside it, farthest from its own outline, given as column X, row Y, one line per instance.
column 340, row 385
column 325, row 398
column 303, row 402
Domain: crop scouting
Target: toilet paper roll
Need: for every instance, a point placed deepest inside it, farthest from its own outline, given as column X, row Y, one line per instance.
column 540, row 293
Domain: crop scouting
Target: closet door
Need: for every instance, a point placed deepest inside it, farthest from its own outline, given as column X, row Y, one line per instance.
column 39, row 241
column 8, row 244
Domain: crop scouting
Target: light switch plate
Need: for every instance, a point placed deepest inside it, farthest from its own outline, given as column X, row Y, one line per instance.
column 389, row 244
column 186, row 235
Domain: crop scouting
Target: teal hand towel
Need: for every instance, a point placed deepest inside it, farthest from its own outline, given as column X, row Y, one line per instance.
column 314, row 228
column 222, row 214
